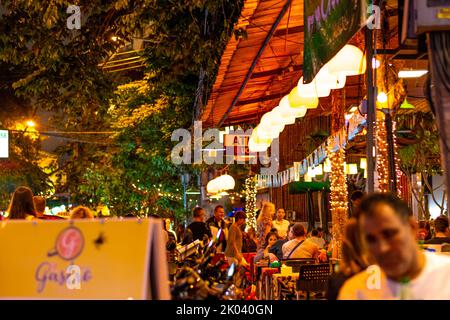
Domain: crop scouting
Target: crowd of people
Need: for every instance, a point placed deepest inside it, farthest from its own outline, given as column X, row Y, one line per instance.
column 381, row 254
column 273, row 239
column 382, row 248
column 26, row 206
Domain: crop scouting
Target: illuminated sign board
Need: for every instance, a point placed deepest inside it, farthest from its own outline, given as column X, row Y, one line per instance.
column 4, row 144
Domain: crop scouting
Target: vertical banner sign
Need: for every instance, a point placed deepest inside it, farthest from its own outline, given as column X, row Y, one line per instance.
column 329, row 25
column 4, row 144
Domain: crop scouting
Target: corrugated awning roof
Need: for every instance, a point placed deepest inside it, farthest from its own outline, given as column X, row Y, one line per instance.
column 275, row 72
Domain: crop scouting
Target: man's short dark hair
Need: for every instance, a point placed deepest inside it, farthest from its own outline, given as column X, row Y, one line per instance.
column 314, row 233
column 319, row 229
column 219, row 206
column 369, row 204
column 441, row 223
column 240, row 215
column 298, row 230
column 198, row 212
column 357, row 195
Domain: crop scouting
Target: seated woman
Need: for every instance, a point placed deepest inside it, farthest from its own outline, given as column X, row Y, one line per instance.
column 264, row 253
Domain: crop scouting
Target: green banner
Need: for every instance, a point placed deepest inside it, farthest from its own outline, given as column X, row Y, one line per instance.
column 329, row 25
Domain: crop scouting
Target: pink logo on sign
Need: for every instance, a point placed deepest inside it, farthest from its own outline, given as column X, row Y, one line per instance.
column 69, row 244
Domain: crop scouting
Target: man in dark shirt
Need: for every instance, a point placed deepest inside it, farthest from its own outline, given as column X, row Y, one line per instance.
column 218, row 222
column 276, row 249
column 198, row 227
column 442, row 231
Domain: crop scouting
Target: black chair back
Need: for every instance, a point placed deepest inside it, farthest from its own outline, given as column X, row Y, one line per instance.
column 313, row 278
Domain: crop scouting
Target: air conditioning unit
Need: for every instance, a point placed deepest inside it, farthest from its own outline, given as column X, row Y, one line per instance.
column 431, row 15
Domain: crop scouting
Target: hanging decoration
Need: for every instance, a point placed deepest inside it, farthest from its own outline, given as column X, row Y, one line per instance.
column 250, row 201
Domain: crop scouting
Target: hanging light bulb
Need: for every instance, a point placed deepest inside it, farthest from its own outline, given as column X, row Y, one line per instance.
column 375, row 63
column 349, row 61
column 296, row 101
column 363, row 163
column 382, row 97
column 327, row 165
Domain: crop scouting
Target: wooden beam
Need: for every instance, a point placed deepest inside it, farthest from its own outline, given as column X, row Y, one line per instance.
column 255, row 60
column 276, row 71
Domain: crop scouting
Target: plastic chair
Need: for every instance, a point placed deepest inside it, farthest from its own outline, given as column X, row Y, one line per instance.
column 313, row 278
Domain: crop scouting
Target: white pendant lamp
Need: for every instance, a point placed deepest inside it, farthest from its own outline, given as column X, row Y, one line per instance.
column 332, row 80
column 295, row 101
column 286, row 107
column 273, row 122
column 259, row 139
column 349, row 61
column 268, row 129
column 254, row 147
column 212, row 187
column 312, row 89
column 227, row 181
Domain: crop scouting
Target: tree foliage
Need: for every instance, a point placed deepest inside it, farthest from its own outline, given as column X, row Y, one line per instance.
column 56, row 69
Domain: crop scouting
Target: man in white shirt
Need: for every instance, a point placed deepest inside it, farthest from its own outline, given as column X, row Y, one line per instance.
column 281, row 224
column 404, row 271
column 319, row 241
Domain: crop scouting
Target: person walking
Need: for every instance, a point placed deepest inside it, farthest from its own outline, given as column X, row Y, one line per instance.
column 233, row 251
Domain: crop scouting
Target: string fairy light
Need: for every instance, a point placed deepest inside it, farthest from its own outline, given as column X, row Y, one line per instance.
column 250, row 201
column 339, row 194
column 398, row 172
column 382, row 156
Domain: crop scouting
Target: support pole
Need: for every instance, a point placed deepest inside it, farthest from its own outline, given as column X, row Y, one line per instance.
column 370, row 112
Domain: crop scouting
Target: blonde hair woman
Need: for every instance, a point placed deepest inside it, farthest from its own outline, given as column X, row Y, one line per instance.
column 81, row 212
column 264, row 223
